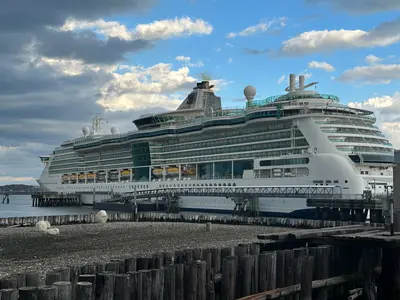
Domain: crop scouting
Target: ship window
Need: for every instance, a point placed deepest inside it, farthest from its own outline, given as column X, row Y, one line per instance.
column 362, row 172
column 336, row 181
column 345, row 181
column 366, row 172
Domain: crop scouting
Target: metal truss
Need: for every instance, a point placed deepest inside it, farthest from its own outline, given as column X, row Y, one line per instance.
column 319, row 192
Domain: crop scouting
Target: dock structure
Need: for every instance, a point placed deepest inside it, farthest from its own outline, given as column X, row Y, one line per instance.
column 346, row 262
column 48, row 199
column 329, row 201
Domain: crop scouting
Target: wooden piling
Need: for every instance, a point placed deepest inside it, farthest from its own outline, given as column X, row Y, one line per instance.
column 307, row 278
column 179, row 283
column 66, row 273
column 246, row 269
column 130, row 264
column 299, row 254
column 143, row 263
column 280, row 269
column 63, row 290
column 113, row 266
column 146, row 284
column 9, row 294
column 135, row 285
column 216, row 259
column 169, row 283
column 157, row 283
column 168, row 258
column 157, row 261
column 190, row 275
column 47, row 292
column 21, row 280
column 321, row 261
column 84, row 291
column 89, row 278
column 28, row 293
column 121, row 264
column 121, row 288
column 52, row 277
column 229, row 273
column 105, row 286
column 289, row 270
column 197, row 254
column 9, row 282
column 201, row 280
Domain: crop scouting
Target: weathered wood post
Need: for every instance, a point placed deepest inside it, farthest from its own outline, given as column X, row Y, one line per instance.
column 105, row 286
column 63, row 290
column 28, row 293
column 84, row 291
column 47, row 292
column 9, row 294
column 121, row 289
column 307, row 278
column 229, row 273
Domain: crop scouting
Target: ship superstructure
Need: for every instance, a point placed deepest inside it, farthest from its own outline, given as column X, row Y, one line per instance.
column 299, row 138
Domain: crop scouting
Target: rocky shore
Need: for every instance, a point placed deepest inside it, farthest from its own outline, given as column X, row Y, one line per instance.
column 25, row 249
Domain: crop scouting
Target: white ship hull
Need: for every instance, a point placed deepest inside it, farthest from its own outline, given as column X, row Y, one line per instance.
column 338, row 168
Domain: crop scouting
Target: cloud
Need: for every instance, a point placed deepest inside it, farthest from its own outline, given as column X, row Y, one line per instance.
column 230, row 60
column 187, row 61
column 360, row 6
column 373, row 74
column 321, row 65
column 372, row 59
column 387, row 111
column 183, row 58
column 316, row 41
column 259, row 28
column 257, row 52
column 281, row 79
column 157, row 30
column 62, row 63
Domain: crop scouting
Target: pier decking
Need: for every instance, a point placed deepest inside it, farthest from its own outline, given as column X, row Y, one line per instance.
column 51, row 199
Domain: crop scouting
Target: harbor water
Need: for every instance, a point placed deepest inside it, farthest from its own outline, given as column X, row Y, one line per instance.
column 21, row 206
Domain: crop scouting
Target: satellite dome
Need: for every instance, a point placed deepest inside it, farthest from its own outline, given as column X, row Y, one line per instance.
column 114, row 130
column 85, row 131
column 249, row 92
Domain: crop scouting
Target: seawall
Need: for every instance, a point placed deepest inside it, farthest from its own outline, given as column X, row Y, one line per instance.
column 163, row 217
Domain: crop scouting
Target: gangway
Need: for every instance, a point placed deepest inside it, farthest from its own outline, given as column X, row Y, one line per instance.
column 315, row 192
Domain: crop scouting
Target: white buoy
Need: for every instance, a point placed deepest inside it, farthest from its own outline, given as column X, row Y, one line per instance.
column 101, row 217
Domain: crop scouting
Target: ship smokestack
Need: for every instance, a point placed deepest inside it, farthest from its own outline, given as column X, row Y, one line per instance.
column 292, row 82
column 301, row 82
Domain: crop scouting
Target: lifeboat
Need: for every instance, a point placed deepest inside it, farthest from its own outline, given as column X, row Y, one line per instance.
column 125, row 173
column 158, row 171
column 173, row 171
column 90, row 175
column 81, row 176
column 65, row 177
column 73, row 177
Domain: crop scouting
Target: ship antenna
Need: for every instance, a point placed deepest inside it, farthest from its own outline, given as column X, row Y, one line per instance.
column 97, row 124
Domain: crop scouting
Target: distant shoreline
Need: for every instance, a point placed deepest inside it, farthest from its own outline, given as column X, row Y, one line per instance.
column 16, row 193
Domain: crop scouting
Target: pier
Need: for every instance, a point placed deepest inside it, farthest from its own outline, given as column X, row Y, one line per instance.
column 51, row 199
column 346, row 262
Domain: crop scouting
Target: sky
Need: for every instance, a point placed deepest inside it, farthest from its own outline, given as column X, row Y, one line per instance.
column 63, row 62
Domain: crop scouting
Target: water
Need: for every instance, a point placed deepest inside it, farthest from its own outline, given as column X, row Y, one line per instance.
column 21, row 206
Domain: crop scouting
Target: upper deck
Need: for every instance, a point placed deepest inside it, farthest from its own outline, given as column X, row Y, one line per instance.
column 202, row 109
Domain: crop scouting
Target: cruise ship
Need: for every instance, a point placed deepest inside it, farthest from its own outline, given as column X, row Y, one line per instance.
column 300, row 138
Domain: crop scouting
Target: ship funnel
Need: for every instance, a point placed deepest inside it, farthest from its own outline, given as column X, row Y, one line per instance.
column 292, row 82
column 301, row 82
